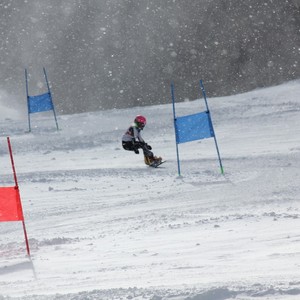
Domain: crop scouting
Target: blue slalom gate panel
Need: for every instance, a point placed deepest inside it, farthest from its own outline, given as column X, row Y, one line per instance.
column 40, row 103
column 193, row 127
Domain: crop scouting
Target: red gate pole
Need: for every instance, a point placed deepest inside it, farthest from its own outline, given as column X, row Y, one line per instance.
column 17, row 187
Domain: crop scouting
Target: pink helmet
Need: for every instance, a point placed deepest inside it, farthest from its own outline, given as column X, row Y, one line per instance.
column 140, row 121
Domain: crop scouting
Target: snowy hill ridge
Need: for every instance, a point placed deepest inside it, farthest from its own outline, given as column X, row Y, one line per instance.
column 102, row 225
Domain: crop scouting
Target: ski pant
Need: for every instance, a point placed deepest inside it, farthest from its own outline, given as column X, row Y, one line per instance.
column 137, row 145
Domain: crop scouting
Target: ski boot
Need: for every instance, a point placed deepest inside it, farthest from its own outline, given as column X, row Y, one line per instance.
column 152, row 160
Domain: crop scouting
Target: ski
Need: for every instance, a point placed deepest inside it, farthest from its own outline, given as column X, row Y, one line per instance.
column 156, row 164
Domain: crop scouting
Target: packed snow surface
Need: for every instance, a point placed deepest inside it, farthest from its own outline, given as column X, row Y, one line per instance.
column 103, row 225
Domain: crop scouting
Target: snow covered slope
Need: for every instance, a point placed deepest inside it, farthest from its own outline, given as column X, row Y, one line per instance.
column 102, row 225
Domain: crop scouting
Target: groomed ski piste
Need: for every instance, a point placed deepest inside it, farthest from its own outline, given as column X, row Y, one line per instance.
column 103, row 225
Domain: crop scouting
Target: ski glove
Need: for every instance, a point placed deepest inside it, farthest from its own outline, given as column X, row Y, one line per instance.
column 145, row 145
column 136, row 151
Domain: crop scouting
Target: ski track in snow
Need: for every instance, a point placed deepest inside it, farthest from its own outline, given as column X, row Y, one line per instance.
column 102, row 225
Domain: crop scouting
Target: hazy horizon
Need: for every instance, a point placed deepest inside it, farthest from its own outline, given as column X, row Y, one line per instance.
column 117, row 54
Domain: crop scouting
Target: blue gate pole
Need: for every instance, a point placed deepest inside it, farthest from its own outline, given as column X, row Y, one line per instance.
column 51, row 98
column 204, row 96
column 27, row 96
column 175, row 127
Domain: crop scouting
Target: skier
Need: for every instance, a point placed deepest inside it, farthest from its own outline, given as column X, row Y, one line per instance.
column 133, row 141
